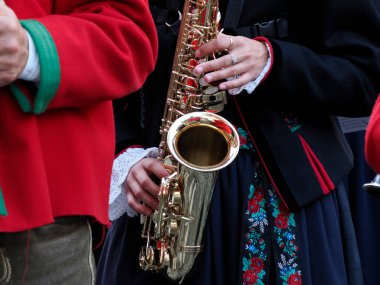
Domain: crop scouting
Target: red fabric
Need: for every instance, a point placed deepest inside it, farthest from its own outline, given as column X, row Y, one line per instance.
column 323, row 178
column 59, row 163
column 372, row 138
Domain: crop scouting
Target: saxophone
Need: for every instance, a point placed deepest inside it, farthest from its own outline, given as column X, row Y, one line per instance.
column 195, row 144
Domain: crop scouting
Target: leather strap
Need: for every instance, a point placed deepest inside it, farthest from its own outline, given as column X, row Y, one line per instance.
column 277, row 29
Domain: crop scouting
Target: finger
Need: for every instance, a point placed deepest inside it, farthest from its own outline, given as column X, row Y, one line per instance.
column 141, row 194
column 221, row 43
column 144, row 181
column 235, row 83
column 224, row 73
column 137, row 206
column 221, row 35
column 152, row 168
column 155, row 167
column 140, row 173
column 212, row 65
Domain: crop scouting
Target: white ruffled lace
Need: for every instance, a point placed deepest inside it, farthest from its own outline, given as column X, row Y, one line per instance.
column 118, row 202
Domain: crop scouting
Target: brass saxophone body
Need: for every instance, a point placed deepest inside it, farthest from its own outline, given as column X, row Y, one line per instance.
column 195, row 144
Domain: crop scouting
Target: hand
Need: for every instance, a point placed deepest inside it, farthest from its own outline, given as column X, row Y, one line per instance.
column 141, row 190
column 251, row 57
column 13, row 46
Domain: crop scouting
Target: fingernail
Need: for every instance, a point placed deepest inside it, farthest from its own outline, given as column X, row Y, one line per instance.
column 198, row 53
column 208, row 78
column 222, row 87
column 198, row 70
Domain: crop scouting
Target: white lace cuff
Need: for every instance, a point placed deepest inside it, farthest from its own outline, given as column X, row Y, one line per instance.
column 118, row 203
column 251, row 86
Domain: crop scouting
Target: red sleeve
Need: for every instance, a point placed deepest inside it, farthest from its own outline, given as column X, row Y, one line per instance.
column 104, row 49
column 372, row 138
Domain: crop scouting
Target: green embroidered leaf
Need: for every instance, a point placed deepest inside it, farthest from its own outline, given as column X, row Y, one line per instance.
column 276, row 212
column 246, row 264
column 259, row 282
column 291, row 220
column 251, row 191
column 261, row 274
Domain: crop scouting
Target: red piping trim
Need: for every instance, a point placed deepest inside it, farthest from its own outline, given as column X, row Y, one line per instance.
column 101, row 239
column 258, row 152
column 323, row 178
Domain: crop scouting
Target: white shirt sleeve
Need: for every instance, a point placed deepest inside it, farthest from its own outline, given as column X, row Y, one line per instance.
column 118, row 202
column 251, row 86
column 31, row 70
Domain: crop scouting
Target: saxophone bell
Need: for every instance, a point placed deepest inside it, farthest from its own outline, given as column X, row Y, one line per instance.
column 203, row 141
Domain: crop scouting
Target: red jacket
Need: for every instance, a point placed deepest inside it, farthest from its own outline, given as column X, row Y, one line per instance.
column 372, row 138
column 57, row 141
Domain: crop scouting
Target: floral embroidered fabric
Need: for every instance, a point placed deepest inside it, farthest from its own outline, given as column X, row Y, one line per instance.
column 269, row 229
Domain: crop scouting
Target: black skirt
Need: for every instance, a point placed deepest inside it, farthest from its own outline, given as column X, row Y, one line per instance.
column 250, row 237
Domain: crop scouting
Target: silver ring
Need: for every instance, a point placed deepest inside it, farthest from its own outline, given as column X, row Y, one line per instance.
column 233, row 59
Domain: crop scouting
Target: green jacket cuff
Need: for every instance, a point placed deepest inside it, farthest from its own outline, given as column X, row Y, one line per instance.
column 3, row 210
column 50, row 73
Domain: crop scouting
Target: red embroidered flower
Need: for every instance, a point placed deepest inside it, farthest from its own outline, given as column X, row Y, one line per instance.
column 294, row 279
column 243, row 140
column 257, row 264
column 250, row 278
column 259, row 194
column 253, row 206
column 281, row 221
